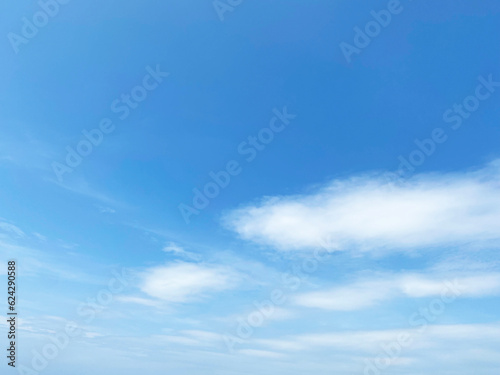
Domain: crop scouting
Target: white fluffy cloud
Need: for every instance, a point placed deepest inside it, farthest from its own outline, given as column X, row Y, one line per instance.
column 183, row 282
column 368, row 212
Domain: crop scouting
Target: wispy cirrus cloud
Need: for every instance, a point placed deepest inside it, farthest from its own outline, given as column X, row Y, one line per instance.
column 366, row 293
column 179, row 251
column 369, row 212
column 10, row 229
column 261, row 353
column 192, row 338
column 137, row 300
column 370, row 340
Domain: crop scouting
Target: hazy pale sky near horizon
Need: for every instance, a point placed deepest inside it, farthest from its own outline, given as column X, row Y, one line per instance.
column 267, row 187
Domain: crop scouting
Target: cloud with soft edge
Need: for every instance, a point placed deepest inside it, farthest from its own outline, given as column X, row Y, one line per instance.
column 371, row 212
column 185, row 282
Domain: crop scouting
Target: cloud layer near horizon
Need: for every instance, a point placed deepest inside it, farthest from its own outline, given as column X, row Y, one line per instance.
column 369, row 212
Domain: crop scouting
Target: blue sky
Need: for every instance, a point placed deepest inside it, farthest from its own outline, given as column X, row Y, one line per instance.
column 357, row 202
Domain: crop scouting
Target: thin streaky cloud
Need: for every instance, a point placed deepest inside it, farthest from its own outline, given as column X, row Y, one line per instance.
column 186, row 282
column 367, row 293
